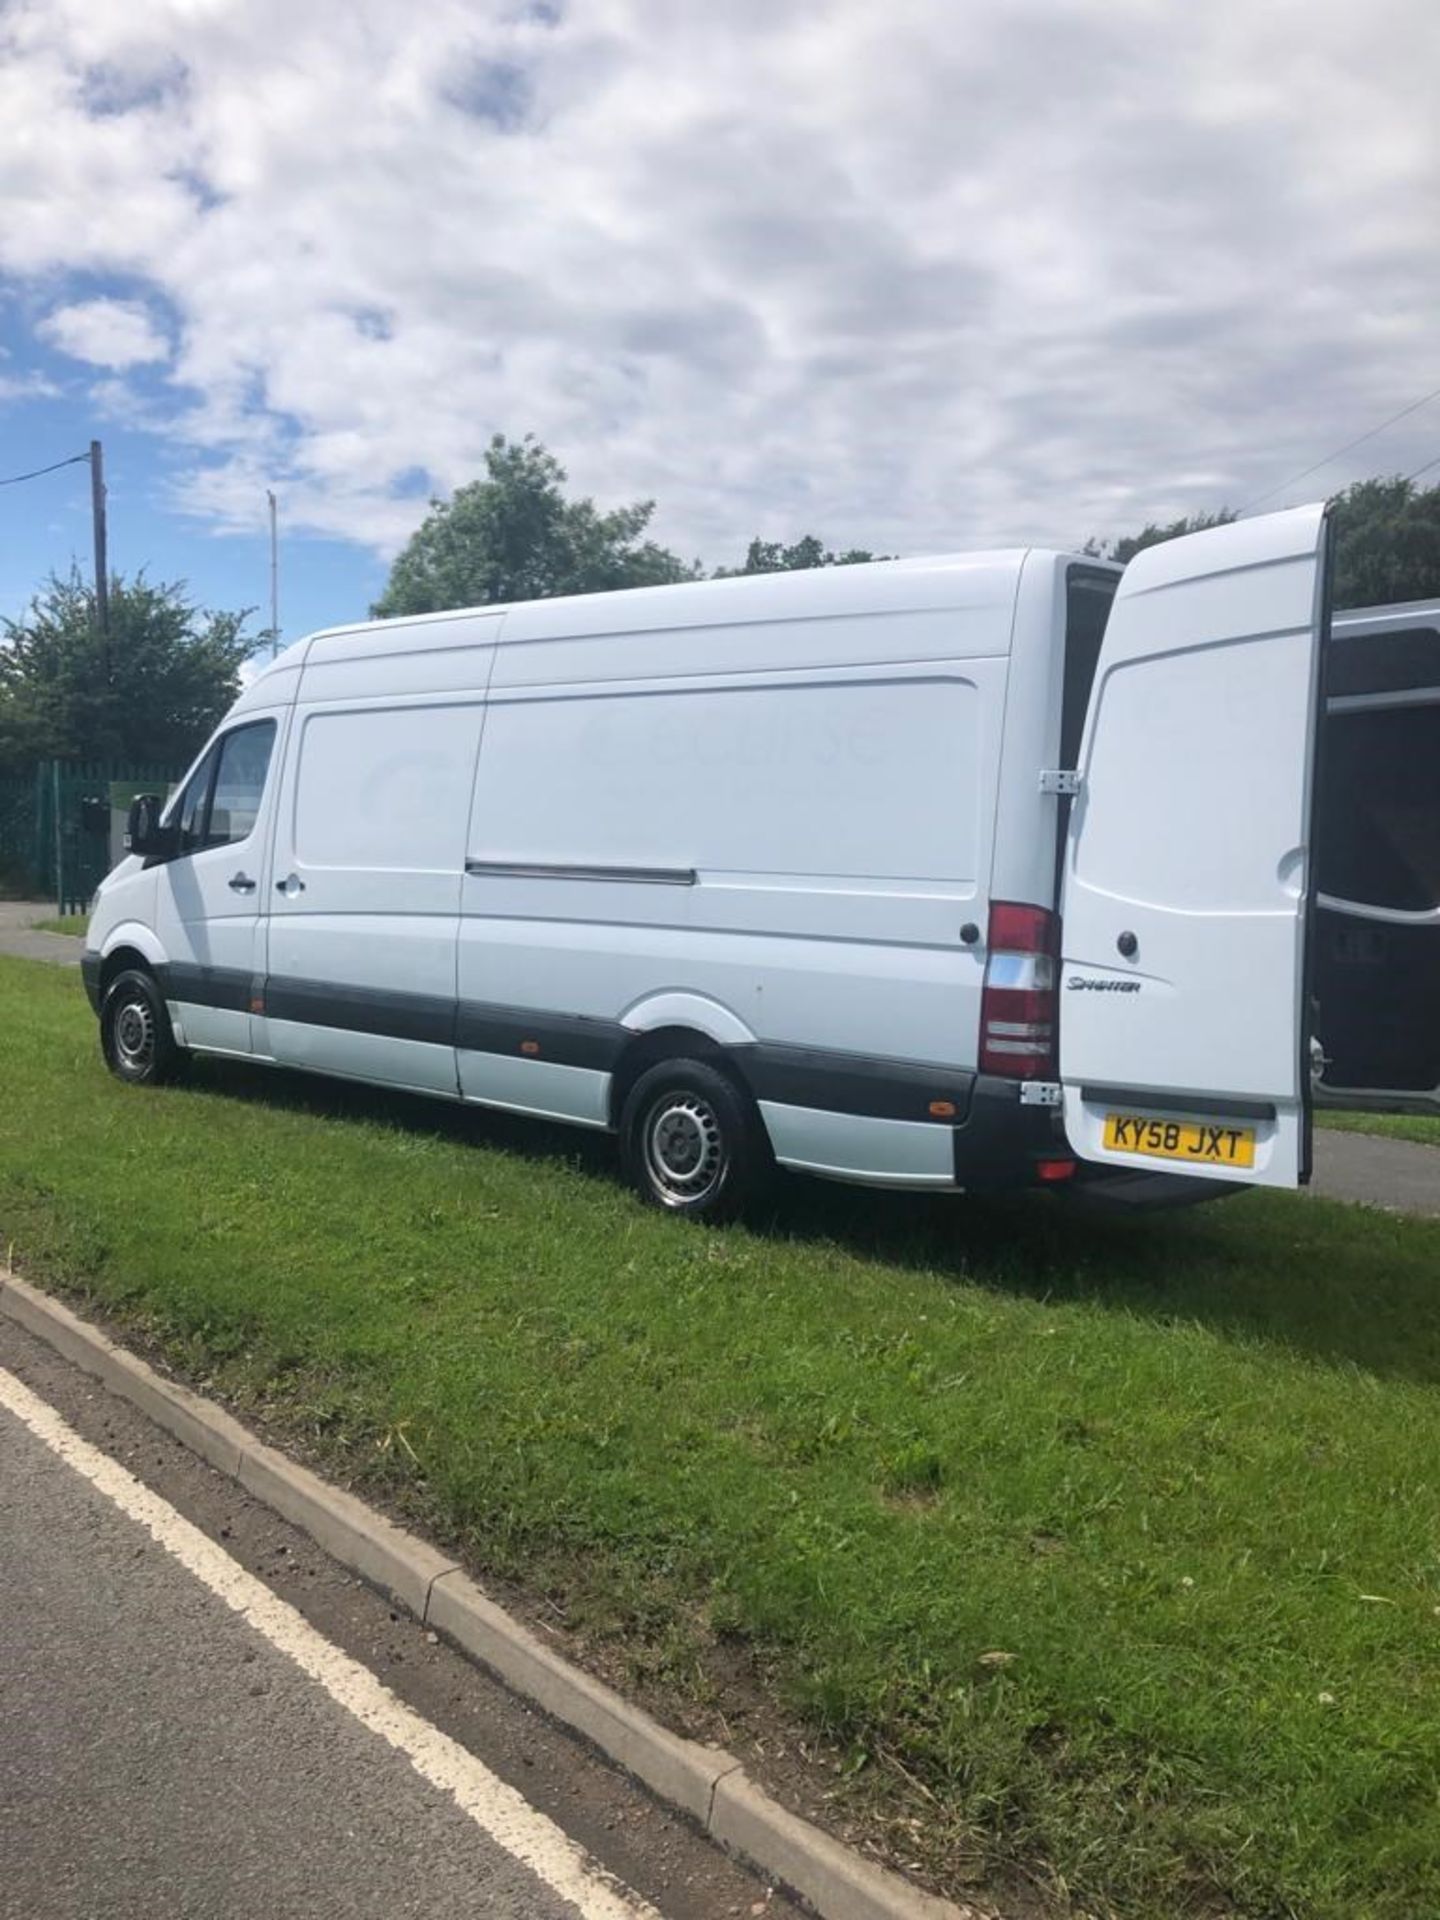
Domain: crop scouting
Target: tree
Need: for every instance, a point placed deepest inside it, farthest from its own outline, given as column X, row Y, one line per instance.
column 173, row 672
column 514, row 536
column 769, row 556
column 1151, row 535
column 1387, row 543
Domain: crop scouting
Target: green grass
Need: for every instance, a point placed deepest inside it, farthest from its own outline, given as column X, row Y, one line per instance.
column 65, row 923
column 1184, row 1472
column 1394, row 1126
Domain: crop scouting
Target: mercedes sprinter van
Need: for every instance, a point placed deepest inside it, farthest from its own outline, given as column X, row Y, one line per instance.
column 958, row 873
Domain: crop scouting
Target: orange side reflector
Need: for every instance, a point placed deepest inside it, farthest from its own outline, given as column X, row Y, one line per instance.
column 1054, row 1169
column 529, row 1046
column 943, row 1109
column 257, row 1005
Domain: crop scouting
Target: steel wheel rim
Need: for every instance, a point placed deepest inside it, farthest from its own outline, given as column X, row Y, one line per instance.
column 685, row 1155
column 134, row 1031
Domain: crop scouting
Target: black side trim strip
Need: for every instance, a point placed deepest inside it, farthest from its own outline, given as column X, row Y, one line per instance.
column 1181, row 1103
column 378, row 1010
column 544, row 870
column 227, row 987
column 872, row 1087
column 855, row 1083
column 90, row 965
column 565, row 1039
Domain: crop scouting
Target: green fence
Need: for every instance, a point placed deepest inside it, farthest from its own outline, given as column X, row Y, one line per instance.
column 59, row 824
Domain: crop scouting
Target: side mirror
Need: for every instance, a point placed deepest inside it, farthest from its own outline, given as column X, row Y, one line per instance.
column 143, row 832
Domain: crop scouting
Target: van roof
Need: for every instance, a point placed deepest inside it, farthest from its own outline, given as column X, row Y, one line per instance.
column 933, row 580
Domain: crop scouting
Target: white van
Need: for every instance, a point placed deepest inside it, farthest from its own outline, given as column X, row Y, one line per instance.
column 776, row 869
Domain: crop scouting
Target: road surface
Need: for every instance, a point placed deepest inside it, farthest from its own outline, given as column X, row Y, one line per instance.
column 203, row 1716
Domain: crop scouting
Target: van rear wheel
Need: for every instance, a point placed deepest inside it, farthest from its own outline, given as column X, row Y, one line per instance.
column 691, row 1141
column 135, row 1032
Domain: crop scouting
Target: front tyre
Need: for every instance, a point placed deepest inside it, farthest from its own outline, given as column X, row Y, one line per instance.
column 692, row 1142
column 135, row 1032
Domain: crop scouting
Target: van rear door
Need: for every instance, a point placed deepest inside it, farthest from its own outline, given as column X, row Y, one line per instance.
column 1186, row 891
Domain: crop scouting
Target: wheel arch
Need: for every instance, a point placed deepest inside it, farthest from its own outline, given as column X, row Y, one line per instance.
column 650, row 1049
column 130, row 944
column 676, row 1026
column 120, row 956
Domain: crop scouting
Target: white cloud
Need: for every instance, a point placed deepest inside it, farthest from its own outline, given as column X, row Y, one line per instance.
column 107, row 333
column 25, row 386
column 936, row 273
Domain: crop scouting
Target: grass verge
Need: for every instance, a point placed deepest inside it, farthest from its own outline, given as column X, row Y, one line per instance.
column 74, row 923
column 1421, row 1127
column 1108, row 1555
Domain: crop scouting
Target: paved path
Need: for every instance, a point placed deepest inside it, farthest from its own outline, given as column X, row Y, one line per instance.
column 1400, row 1174
column 188, row 1692
column 18, row 933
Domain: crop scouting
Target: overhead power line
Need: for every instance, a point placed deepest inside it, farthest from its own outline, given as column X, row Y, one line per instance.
column 1349, row 447
column 15, row 478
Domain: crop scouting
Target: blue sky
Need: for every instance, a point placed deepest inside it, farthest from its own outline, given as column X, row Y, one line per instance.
column 46, row 524
column 942, row 274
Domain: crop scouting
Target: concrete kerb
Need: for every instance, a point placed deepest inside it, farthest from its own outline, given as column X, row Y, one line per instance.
column 705, row 1783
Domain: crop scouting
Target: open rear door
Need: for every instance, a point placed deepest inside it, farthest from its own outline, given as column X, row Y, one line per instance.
column 1186, row 894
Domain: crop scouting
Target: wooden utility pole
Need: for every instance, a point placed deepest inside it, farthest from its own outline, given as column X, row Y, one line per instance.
column 102, row 564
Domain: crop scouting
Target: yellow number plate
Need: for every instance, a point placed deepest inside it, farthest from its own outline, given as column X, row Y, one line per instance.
column 1213, row 1144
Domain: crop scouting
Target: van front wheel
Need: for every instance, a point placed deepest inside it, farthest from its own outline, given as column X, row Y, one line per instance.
column 135, row 1032
column 691, row 1141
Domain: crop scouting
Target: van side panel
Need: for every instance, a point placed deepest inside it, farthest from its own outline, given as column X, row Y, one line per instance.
column 794, row 846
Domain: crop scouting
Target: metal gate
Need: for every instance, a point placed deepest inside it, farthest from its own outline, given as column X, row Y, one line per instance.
column 60, row 824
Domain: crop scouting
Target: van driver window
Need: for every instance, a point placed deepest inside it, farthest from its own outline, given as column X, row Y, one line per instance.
column 193, row 804
column 239, row 783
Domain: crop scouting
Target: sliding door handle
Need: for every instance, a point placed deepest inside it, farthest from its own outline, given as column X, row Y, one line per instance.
column 290, row 885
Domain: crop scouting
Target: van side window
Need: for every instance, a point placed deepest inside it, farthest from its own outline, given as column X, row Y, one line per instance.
column 195, row 804
column 239, row 784
column 1379, row 799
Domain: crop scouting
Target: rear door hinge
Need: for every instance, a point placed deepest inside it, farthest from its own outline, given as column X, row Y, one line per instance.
column 1062, row 780
column 1041, row 1093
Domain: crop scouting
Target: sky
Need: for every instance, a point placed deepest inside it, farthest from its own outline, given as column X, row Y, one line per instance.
column 919, row 276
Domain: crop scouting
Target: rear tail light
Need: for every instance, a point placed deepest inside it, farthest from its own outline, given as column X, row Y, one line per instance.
column 1017, row 1006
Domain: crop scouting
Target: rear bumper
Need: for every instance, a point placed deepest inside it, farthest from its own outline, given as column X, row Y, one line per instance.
column 90, row 964
column 998, row 1148
column 1130, row 1190
column 1001, row 1141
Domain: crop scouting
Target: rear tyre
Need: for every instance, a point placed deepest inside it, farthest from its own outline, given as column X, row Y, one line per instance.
column 135, row 1032
column 691, row 1141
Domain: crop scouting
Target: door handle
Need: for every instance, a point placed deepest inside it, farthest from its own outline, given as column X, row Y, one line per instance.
column 241, row 883
column 291, row 884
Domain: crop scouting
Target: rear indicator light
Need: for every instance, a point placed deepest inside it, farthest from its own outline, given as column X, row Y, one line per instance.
column 1017, row 1004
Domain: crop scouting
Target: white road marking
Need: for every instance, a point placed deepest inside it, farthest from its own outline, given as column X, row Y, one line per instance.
column 502, row 1813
